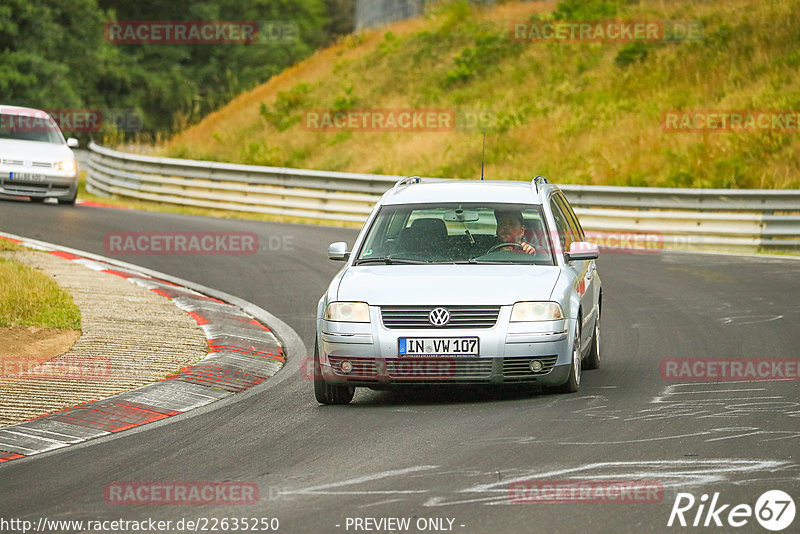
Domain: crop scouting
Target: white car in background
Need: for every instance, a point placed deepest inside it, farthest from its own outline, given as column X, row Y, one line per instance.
column 35, row 160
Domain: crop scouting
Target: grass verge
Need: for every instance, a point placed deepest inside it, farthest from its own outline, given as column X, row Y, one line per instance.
column 578, row 112
column 8, row 245
column 30, row 298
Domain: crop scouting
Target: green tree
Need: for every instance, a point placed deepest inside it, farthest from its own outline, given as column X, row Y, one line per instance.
column 53, row 54
column 185, row 82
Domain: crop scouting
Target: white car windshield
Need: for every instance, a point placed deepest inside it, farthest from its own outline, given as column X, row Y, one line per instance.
column 30, row 128
column 458, row 233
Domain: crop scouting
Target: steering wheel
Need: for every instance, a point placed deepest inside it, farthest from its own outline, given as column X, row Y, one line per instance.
column 497, row 246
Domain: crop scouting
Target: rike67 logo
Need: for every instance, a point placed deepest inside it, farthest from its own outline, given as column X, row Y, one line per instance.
column 774, row 510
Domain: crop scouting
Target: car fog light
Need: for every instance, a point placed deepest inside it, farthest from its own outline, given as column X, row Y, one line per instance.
column 346, row 366
column 535, row 365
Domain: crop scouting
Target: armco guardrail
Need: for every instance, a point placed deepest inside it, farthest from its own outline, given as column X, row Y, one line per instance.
column 681, row 218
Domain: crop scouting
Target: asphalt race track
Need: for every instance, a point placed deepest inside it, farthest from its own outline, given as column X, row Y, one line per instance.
column 452, row 453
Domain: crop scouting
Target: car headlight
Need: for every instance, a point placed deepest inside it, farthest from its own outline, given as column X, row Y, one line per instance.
column 68, row 165
column 536, row 311
column 348, row 312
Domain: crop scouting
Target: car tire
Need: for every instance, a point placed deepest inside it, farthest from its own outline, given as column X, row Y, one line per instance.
column 592, row 361
column 573, row 383
column 327, row 393
column 69, row 201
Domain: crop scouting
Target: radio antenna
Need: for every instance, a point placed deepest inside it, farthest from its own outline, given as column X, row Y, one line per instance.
column 483, row 155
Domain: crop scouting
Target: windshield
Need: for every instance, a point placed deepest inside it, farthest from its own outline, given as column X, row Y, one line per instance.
column 458, row 233
column 26, row 128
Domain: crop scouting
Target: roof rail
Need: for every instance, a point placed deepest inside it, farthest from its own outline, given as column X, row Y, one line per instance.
column 406, row 180
column 538, row 179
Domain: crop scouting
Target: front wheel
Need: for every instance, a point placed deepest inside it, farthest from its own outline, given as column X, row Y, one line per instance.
column 574, row 381
column 328, row 393
column 592, row 361
column 71, row 200
column 68, row 201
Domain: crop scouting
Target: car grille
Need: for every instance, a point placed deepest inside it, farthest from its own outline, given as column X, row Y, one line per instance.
column 42, row 164
column 31, row 187
column 416, row 369
column 442, row 369
column 518, row 367
column 460, row 316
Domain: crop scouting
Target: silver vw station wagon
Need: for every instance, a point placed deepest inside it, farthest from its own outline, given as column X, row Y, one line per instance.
column 461, row 282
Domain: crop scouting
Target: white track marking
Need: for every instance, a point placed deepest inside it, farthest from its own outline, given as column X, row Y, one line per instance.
column 321, row 490
column 671, row 474
column 387, row 501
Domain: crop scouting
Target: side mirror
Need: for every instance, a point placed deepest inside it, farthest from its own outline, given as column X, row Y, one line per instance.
column 72, row 142
column 582, row 250
column 338, row 251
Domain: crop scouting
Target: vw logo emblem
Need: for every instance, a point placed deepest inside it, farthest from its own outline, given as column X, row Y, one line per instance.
column 439, row 317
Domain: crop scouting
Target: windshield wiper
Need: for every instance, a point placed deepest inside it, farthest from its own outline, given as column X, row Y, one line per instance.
column 389, row 260
column 475, row 261
column 469, row 235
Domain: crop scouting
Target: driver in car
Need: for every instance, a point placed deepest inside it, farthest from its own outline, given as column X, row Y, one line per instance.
column 511, row 230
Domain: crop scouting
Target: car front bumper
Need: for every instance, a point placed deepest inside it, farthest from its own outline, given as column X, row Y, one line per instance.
column 505, row 354
column 58, row 187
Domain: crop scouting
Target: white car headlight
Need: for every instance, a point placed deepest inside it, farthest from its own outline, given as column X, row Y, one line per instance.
column 348, row 312
column 68, row 165
column 536, row 311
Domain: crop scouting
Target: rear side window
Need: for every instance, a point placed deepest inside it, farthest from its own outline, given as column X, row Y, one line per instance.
column 563, row 228
column 572, row 219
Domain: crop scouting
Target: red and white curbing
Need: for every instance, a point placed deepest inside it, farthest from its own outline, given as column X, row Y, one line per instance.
column 242, row 353
column 95, row 204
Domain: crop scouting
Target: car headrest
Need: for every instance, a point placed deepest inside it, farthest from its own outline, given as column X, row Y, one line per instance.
column 429, row 228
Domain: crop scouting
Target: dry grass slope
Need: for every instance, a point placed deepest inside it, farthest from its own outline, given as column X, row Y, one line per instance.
column 579, row 112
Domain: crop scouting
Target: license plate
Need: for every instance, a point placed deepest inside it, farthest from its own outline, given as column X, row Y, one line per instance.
column 430, row 347
column 26, row 177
